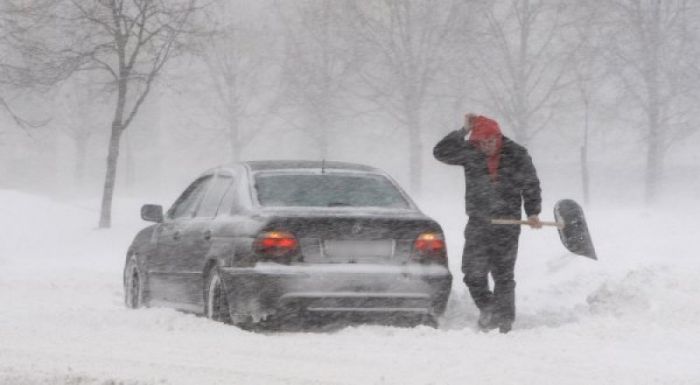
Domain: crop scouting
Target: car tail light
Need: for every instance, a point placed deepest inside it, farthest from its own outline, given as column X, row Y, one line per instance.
column 429, row 247
column 276, row 245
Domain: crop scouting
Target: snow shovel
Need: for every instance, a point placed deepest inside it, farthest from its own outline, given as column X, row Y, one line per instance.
column 571, row 224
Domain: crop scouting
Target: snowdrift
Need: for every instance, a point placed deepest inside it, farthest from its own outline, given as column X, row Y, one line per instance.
column 630, row 318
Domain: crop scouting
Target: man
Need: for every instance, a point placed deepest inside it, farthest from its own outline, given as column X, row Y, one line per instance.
column 500, row 178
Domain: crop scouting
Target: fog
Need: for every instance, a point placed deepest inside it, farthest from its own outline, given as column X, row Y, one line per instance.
column 273, row 105
column 606, row 91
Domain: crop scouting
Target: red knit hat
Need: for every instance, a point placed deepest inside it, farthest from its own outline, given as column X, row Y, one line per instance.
column 483, row 128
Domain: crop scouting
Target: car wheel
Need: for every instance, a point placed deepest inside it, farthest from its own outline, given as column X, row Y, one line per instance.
column 216, row 303
column 430, row 321
column 133, row 285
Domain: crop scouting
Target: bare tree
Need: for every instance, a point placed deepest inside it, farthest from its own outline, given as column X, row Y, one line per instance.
column 81, row 122
column 521, row 63
column 128, row 41
column 407, row 46
column 589, row 73
column 318, row 63
column 653, row 47
column 16, row 70
column 458, row 87
column 238, row 58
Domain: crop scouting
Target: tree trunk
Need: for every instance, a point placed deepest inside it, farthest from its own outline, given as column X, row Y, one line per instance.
column 323, row 138
column 320, row 128
column 654, row 166
column 80, row 159
column 130, row 166
column 654, row 161
column 415, row 150
column 585, row 184
column 113, row 156
column 234, row 139
column 110, row 177
column 522, row 131
column 416, row 163
column 653, row 172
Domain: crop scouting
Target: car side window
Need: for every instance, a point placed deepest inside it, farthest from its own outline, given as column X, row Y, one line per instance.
column 214, row 196
column 186, row 204
column 228, row 201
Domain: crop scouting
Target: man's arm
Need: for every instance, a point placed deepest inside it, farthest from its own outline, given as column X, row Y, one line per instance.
column 532, row 193
column 453, row 149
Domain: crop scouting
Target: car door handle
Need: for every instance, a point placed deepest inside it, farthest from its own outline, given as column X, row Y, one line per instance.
column 207, row 235
column 176, row 235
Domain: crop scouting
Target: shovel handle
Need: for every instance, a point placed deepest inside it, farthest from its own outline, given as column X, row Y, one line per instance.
column 521, row 222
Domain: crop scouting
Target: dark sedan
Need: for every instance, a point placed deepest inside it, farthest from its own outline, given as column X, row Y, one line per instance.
column 273, row 241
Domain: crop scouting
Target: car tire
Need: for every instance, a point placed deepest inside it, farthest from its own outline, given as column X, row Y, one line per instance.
column 215, row 300
column 430, row 321
column 133, row 285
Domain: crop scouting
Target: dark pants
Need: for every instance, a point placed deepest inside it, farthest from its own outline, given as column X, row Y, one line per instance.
column 491, row 249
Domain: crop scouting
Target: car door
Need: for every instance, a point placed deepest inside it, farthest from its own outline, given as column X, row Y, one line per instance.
column 167, row 283
column 197, row 240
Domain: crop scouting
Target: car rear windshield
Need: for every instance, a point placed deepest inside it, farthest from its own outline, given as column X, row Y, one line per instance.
column 327, row 190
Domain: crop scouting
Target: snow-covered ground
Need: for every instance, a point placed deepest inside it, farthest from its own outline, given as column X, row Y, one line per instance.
column 630, row 318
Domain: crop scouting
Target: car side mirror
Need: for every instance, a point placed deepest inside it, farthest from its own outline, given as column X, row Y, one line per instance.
column 152, row 213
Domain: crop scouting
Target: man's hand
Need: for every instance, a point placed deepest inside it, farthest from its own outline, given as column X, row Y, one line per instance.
column 534, row 222
column 468, row 122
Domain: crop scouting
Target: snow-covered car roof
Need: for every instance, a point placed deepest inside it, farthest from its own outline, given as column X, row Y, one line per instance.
column 265, row 165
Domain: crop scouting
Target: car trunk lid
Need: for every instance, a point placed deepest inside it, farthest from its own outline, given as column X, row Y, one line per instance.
column 358, row 238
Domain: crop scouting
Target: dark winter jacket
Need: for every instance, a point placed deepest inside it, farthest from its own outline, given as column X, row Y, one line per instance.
column 516, row 182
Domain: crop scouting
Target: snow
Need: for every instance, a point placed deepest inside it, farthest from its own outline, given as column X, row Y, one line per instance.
column 629, row 318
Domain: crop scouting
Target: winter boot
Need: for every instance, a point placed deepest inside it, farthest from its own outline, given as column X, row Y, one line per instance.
column 487, row 319
column 505, row 326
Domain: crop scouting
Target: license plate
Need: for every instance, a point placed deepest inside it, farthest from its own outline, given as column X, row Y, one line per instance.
column 359, row 249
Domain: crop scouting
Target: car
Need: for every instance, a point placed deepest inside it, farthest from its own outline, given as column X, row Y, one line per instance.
column 274, row 241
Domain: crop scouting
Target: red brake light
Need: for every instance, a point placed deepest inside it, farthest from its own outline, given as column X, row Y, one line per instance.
column 431, row 242
column 429, row 247
column 275, row 240
column 276, row 244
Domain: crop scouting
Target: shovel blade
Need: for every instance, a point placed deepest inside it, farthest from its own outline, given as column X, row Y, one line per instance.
column 574, row 234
